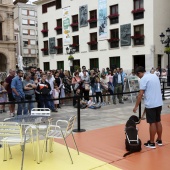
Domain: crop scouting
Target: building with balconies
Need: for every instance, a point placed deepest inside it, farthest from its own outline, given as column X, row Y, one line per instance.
column 105, row 33
column 25, row 18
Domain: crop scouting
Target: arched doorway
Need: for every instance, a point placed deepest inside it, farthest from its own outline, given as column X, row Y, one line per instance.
column 3, row 63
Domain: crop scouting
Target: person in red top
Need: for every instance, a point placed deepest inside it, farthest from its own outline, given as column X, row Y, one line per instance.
column 8, row 81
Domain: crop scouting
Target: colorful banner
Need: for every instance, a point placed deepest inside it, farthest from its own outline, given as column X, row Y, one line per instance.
column 66, row 26
column 83, row 13
column 102, row 19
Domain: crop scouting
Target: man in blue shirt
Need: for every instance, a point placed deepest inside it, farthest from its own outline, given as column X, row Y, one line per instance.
column 151, row 89
column 17, row 91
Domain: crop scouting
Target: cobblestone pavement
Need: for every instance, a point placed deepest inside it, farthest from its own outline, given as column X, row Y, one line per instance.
column 108, row 115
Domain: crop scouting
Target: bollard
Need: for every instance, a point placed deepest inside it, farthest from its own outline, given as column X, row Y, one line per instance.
column 140, row 110
column 78, row 118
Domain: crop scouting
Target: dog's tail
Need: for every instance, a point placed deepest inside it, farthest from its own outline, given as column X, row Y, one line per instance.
column 128, row 153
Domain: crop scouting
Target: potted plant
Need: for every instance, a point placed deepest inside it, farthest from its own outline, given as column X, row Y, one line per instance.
column 167, row 50
column 58, row 28
column 44, row 31
column 113, row 15
column 113, row 39
column 71, row 58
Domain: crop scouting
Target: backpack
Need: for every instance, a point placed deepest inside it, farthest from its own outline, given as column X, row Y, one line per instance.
column 132, row 142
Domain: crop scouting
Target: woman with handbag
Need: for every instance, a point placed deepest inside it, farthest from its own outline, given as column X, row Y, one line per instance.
column 29, row 90
column 76, row 82
column 85, row 86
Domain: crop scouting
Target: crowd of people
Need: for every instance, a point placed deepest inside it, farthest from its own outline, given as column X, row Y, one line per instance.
column 50, row 87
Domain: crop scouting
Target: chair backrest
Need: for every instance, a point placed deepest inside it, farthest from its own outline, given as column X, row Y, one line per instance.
column 10, row 129
column 41, row 112
column 70, row 125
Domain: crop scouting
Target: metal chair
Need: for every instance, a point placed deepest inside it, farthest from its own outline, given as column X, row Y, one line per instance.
column 56, row 132
column 11, row 133
column 40, row 112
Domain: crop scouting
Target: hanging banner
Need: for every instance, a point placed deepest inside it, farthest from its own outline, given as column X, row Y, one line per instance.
column 83, row 13
column 66, row 26
column 52, row 45
column 102, row 19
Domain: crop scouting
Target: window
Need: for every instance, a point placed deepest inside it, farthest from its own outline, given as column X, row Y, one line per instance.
column 93, row 19
column 114, row 62
column 93, row 41
column 58, row 4
column 25, row 32
column 75, row 23
column 32, row 42
column 46, row 66
column 94, row 63
column 138, row 4
column 32, row 32
column 138, row 12
column 24, row 12
column 25, row 43
column 45, row 29
column 76, row 43
column 24, row 21
column 59, row 26
column 45, row 48
column 44, row 8
column 32, row 22
column 114, row 38
column 138, row 35
column 32, row 13
column 33, row 51
column 26, row 51
column 114, row 14
column 59, row 46
column 60, row 65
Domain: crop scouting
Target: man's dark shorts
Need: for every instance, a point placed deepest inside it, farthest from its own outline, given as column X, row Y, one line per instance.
column 153, row 115
column 10, row 97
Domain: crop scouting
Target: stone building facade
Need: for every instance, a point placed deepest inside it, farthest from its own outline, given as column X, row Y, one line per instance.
column 7, row 40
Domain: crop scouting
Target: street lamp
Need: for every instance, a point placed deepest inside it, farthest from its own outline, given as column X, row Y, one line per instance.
column 70, row 50
column 166, row 41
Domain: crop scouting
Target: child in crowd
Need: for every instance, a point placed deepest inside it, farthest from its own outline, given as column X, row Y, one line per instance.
column 3, row 96
column 56, row 92
column 98, row 91
column 91, row 105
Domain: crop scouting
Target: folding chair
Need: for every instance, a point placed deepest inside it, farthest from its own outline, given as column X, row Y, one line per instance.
column 11, row 133
column 55, row 132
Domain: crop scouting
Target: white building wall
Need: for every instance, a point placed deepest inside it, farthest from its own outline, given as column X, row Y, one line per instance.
column 149, row 49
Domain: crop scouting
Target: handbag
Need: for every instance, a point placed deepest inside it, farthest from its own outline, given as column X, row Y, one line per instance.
column 87, row 86
column 28, row 97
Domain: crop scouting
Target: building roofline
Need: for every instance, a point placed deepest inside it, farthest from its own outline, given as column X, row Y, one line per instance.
column 38, row 2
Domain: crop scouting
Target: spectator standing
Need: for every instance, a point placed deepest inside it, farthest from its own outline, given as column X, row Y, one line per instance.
column 98, row 91
column 81, row 73
column 76, row 82
column 43, row 89
column 150, row 88
column 50, row 79
column 157, row 72
column 8, row 81
column 92, row 82
column 29, row 90
column 104, row 82
column 17, row 91
column 67, row 83
column 56, row 93
column 3, row 96
column 118, row 83
column 85, row 85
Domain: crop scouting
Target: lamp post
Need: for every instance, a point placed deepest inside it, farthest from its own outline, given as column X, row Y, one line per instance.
column 166, row 40
column 70, row 51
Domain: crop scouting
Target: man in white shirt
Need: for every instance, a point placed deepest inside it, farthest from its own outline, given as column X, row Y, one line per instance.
column 157, row 72
column 81, row 73
column 150, row 88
